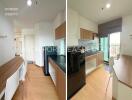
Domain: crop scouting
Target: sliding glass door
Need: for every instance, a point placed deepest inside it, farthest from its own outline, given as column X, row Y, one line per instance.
column 110, row 45
column 104, row 46
column 114, row 45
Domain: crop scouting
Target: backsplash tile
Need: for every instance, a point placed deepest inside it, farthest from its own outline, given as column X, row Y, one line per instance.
column 60, row 43
column 89, row 44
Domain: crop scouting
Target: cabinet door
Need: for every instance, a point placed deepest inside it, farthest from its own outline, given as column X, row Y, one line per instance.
column 60, row 32
column 59, row 78
column 90, row 63
column 52, row 72
column 85, row 34
column 61, row 84
column 100, row 58
column 89, row 35
column 11, row 85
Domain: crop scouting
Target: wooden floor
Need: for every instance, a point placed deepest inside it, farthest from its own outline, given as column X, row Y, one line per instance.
column 95, row 87
column 36, row 86
column 39, row 87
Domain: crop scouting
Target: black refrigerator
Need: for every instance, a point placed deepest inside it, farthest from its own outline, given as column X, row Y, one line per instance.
column 47, row 52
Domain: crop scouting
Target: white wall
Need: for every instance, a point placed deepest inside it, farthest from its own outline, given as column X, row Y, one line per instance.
column 59, row 19
column 43, row 37
column 75, row 21
column 126, row 41
column 60, row 43
column 87, row 24
column 7, row 45
column 72, row 27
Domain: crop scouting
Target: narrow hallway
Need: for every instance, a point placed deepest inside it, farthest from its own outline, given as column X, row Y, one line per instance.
column 36, row 86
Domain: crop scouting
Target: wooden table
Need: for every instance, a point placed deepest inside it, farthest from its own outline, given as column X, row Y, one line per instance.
column 122, row 78
column 123, row 70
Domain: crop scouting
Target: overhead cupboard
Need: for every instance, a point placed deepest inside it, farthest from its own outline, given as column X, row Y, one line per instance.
column 86, row 34
column 60, row 31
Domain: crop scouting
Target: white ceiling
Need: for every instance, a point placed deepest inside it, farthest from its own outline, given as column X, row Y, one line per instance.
column 45, row 10
column 92, row 9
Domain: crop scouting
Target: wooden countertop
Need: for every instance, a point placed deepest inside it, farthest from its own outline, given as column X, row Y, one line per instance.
column 123, row 70
column 9, row 69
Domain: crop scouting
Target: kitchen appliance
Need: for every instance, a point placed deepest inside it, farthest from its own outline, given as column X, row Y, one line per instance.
column 48, row 51
column 76, row 78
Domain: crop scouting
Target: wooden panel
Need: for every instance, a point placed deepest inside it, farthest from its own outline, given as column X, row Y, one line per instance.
column 81, row 33
column 60, row 31
column 61, row 84
column 88, row 58
column 8, row 70
column 100, row 58
column 123, row 70
column 85, row 34
column 60, row 81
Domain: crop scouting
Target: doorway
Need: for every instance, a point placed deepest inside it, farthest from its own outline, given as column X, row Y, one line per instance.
column 114, row 45
column 110, row 45
column 104, row 46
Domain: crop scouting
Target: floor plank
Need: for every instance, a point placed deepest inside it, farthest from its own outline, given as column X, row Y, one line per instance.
column 95, row 88
column 39, row 87
column 36, row 86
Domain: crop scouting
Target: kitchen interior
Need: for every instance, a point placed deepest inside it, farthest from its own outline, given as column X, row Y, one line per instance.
column 32, row 54
column 99, row 51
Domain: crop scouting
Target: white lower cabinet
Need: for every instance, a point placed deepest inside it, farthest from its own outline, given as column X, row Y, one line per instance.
column 22, row 71
column 11, row 85
column 52, row 73
column 13, row 82
column 90, row 65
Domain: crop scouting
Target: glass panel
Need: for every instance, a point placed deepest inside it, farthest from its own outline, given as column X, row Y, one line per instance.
column 115, row 45
column 104, row 47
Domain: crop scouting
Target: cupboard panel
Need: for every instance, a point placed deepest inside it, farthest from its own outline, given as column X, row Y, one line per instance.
column 60, row 32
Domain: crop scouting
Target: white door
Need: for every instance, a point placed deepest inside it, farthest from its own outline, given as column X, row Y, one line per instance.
column 29, row 47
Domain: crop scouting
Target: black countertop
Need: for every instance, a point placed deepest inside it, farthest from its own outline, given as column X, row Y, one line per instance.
column 90, row 52
column 60, row 60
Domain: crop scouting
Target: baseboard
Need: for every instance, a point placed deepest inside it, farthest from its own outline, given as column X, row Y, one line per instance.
column 38, row 65
column 30, row 62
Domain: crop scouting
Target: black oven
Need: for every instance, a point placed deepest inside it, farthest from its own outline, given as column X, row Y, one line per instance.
column 75, row 70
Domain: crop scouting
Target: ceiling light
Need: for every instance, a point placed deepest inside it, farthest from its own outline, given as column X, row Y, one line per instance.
column 29, row 2
column 108, row 5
